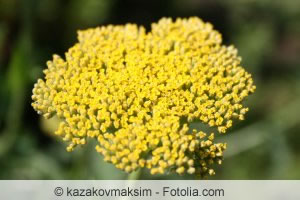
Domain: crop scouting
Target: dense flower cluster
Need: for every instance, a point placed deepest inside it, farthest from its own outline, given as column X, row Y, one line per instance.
column 138, row 92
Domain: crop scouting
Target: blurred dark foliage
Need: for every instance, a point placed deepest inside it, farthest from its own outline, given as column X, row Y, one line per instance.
column 264, row 146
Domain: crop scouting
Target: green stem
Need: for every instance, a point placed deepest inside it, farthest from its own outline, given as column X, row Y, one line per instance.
column 135, row 175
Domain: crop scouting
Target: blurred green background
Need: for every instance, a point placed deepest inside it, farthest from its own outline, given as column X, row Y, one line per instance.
column 266, row 32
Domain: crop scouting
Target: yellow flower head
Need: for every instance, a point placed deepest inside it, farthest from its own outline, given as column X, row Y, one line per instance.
column 136, row 93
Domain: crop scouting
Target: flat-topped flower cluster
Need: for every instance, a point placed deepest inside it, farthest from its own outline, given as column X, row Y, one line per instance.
column 136, row 93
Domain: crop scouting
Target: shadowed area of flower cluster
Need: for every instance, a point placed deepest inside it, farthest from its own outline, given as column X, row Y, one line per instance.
column 136, row 93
